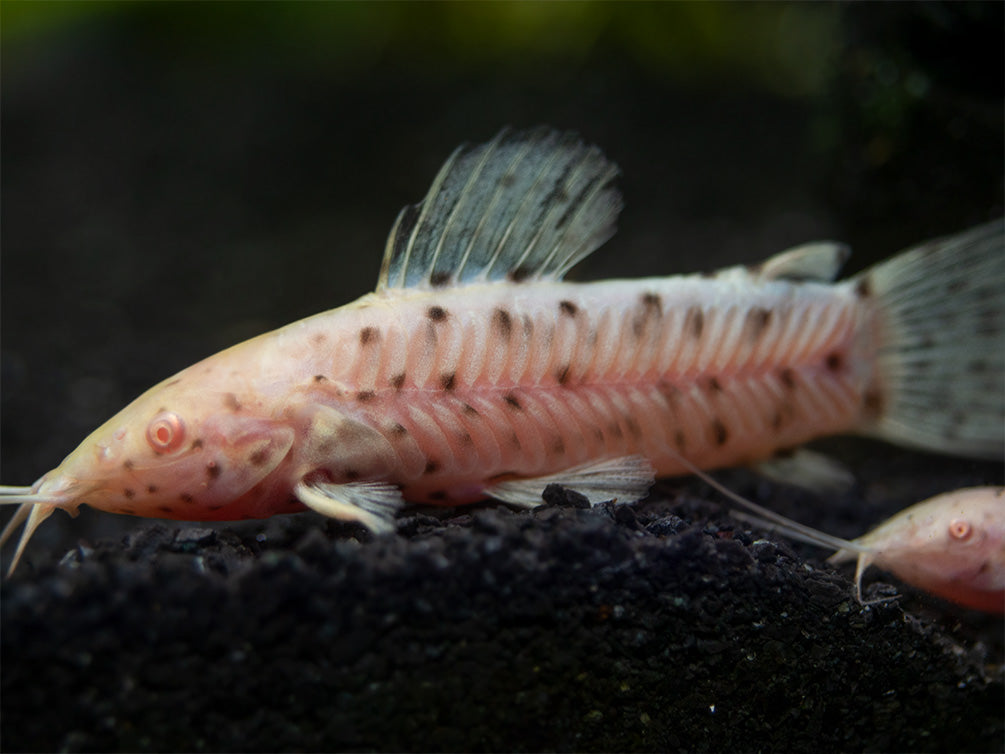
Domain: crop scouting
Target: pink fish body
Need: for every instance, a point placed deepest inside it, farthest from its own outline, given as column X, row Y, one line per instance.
column 474, row 371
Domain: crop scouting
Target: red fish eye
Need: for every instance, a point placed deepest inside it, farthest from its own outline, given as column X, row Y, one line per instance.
column 166, row 432
column 960, row 529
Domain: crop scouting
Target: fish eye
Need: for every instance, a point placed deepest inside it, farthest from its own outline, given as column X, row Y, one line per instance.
column 166, row 432
column 960, row 529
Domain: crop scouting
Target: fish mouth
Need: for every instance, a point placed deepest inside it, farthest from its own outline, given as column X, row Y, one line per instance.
column 36, row 503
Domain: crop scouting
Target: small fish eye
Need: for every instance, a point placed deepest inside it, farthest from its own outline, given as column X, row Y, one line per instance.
column 166, row 432
column 960, row 529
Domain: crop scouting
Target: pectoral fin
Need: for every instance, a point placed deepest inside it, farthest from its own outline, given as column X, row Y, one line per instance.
column 372, row 504
column 625, row 480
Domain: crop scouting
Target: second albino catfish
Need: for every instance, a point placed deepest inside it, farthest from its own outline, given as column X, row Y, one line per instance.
column 474, row 371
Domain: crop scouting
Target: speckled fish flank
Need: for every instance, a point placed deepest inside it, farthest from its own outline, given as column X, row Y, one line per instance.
column 474, row 371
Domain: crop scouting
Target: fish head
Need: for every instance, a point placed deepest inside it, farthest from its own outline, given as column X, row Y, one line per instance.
column 952, row 545
column 172, row 453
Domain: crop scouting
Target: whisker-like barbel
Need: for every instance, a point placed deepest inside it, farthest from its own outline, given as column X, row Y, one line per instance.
column 4, row 490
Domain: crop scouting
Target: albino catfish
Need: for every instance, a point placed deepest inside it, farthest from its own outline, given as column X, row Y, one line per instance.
column 474, row 371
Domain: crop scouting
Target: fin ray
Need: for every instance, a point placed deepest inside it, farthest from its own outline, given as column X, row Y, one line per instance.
column 527, row 205
column 626, row 479
column 942, row 358
column 372, row 504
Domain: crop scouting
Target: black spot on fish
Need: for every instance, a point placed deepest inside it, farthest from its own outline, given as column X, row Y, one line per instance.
column 669, row 391
column 319, row 338
column 319, row 378
column 558, row 445
column 127, row 465
column 518, row 274
column 756, row 323
column 694, row 321
column 431, row 467
column 350, row 475
column 563, row 375
column 398, row 381
column 172, row 382
column 713, row 385
column 652, row 308
column 369, row 335
column 469, row 409
column 615, row 430
column 165, row 509
column 196, row 444
column 260, row 457
column 719, row 432
column 221, row 505
column 834, row 361
column 680, row 440
column 502, row 322
column 872, row 402
column 788, row 378
column 436, row 495
column 231, row 402
column 186, row 497
column 466, row 438
column 568, row 308
column 512, row 402
column 863, row 288
column 437, row 313
column 398, row 429
column 213, row 470
column 439, row 279
column 128, row 493
column 152, row 488
column 447, row 381
column 777, row 419
column 364, row 396
column 979, row 366
column 514, row 441
column 508, row 179
column 633, row 428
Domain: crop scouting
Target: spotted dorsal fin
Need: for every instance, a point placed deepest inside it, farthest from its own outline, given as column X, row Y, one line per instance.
column 525, row 206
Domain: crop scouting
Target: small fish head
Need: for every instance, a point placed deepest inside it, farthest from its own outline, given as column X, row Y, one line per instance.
column 952, row 545
column 172, row 453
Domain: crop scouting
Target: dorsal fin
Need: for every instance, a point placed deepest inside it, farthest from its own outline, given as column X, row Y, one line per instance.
column 525, row 206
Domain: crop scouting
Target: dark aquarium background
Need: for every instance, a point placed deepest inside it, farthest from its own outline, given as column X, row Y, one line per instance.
column 177, row 177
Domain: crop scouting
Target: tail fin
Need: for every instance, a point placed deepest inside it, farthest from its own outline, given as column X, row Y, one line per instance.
column 941, row 349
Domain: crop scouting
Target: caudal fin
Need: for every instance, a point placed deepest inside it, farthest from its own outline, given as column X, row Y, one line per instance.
column 941, row 349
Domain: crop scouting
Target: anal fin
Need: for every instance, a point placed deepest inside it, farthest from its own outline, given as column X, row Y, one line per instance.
column 372, row 504
column 624, row 479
